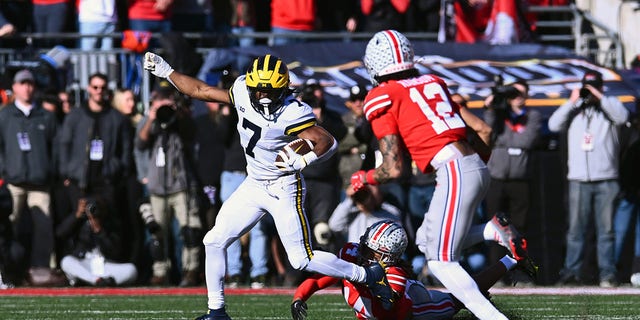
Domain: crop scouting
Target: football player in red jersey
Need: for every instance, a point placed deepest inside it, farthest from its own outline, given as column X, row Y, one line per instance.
column 414, row 112
column 385, row 242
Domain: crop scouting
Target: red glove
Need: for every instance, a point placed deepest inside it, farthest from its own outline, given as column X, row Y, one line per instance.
column 361, row 178
column 358, row 180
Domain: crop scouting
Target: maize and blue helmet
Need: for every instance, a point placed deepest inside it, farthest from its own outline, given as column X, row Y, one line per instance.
column 270, row 75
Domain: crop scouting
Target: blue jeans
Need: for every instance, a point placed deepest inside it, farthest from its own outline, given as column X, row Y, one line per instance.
column 627, row 217
column 159, row 26
column 229, row 182
column 243, row 61
column 586, row 198
column 50, row 18
column 278, row 41
column 185, row 22
column 90, row 43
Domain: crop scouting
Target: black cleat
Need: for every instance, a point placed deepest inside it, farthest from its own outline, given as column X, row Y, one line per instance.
column 217, row 314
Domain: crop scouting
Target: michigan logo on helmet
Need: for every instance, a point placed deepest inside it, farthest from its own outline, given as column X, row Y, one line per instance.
column 384, row 241
column 268, row 84
column 388, row 52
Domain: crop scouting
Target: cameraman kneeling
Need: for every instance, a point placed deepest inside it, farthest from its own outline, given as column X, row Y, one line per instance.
column 515, row 131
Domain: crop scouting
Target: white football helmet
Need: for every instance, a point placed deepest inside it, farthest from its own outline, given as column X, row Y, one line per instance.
column 386, row 238
column 388, row 52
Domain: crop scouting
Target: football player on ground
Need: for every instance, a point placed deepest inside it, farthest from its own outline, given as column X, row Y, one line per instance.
column 414, row 112
column 385, row 242
column 269, row 118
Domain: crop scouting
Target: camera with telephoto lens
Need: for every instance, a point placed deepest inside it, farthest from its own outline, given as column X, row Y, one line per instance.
column 584, row 93
column 166, row 115
column 91, row 209
column 147, row 217
column 501, row 93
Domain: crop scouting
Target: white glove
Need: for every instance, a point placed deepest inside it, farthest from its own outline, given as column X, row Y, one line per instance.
column 292, row 160
column 322, row 232
column 157, row 65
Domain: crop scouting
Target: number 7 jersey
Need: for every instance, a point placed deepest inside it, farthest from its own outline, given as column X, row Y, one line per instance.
column 262, row 138
column 420, row 111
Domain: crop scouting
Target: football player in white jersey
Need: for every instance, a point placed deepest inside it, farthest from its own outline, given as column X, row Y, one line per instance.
column 269, row 118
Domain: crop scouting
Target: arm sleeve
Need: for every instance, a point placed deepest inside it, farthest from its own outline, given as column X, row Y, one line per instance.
column 383, row 125
column 68, row 226
column 489, row 116
column 308, row 287
column 614, row 109
column 401, row 5
column 109, row 243
column 366, row 6
column 66, row 140
column 560, row 116
column 139, row 143
column 342, row 216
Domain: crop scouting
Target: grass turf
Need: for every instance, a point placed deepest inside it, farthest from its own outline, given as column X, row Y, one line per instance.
column 277, row 307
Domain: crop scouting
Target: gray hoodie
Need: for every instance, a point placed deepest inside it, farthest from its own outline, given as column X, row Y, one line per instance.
column 598, row 160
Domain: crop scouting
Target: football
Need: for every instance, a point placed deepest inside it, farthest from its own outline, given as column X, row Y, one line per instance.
column 299, row 146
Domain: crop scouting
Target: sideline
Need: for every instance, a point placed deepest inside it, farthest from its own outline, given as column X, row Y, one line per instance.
column 143, row 291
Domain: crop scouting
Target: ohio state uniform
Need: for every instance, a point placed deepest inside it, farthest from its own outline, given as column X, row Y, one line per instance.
column 420, row 111
column 419, row 304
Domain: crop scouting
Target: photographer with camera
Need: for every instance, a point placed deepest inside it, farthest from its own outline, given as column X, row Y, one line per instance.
column 515, row 131
column 167, row 132
column 592, row 121
column 93, row 246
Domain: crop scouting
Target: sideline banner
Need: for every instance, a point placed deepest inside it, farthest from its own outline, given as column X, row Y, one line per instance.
column 468, row 69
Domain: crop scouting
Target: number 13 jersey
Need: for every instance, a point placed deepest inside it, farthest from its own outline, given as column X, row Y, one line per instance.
column 420, row 111
column 262, row 138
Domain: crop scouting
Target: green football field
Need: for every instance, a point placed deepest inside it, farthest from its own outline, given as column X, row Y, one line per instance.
column 245, row 305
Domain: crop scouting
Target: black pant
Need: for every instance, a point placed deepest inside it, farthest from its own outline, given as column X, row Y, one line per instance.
column 511, row 197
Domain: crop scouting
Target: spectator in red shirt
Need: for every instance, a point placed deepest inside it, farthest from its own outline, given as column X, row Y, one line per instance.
column 292, row 17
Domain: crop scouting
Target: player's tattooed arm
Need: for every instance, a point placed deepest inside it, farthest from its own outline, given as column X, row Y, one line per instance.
column 392, row 162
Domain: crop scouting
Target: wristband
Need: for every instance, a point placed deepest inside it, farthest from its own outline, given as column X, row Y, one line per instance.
column 369, row 178
column 309, row 157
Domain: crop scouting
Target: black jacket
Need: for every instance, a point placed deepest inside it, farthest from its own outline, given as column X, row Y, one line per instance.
column 75, row 140
column 33, row 167
column 77, row 238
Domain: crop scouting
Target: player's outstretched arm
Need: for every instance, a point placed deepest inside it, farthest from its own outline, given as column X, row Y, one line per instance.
column 305, row 290
column 186, row 84
column 391, row 168
column 478, row 125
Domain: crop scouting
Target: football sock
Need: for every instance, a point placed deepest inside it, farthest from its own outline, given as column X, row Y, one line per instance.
column 509, row 262
column 215, row 266
column 329, row 264
column 462, row 286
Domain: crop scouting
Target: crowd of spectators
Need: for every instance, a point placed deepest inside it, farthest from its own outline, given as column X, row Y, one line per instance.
column 125, row 197
column 97, row 21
